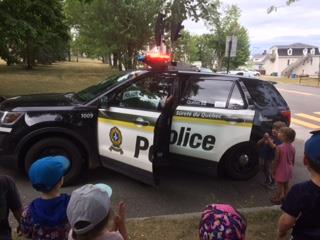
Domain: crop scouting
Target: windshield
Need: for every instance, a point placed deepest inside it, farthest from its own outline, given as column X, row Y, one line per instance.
column 94, row 91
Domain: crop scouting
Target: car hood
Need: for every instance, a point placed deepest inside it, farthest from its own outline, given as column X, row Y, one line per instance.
column 37, row 101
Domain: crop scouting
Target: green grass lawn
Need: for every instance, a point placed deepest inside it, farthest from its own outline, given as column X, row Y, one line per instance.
column 262, row 225
column 58, row 77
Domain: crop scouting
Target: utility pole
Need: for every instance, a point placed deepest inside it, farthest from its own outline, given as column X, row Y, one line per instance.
column 229, row 52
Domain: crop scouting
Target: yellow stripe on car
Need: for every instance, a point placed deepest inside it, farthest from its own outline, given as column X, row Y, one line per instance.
column 211, row 121
column 118, row 123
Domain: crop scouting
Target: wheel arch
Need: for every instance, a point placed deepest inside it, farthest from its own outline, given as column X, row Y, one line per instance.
column 89, row 159
column 221, row 164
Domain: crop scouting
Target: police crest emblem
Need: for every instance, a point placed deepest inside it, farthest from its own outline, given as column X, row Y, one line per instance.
column 116, row 140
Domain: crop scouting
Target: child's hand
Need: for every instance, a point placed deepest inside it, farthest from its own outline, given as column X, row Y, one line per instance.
column 266, row 136
column 120, row 215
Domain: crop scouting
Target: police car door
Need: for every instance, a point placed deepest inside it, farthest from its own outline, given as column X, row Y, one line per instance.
column 210, row 118
column 126, row 127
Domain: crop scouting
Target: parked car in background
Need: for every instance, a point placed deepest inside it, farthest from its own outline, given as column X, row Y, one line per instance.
column 245, row 73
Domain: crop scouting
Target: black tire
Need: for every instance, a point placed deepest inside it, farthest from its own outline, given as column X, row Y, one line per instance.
column 241, row 163
column 56, row 146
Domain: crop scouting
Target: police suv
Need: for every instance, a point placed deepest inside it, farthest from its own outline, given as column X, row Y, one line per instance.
column 136, row 121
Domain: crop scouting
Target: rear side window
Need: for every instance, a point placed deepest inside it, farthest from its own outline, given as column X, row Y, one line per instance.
column 206, row 92
column 264, row 93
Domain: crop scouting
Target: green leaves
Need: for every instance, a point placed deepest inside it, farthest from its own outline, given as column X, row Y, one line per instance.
column 274, row 8
column 32, row 30
column 119, row 27
column 210, row 48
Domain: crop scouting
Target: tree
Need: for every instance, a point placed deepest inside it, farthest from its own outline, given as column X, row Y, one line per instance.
column 225, row 23
column 118, row 28
column 210, row 48
column 32, row 30
column 274, row 8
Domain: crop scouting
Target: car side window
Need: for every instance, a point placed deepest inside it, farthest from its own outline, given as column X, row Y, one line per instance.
column 147, row 93
column 236, row 100
column 206, row 92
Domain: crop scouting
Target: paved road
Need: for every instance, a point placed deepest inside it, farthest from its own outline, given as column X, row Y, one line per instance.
column 305, row 108
column 181, row 191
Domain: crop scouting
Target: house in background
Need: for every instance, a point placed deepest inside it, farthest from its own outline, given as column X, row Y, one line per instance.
column 288, row 60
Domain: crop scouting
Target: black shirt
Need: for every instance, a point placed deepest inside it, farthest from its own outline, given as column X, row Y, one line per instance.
column 303, row 203
column 9, row 200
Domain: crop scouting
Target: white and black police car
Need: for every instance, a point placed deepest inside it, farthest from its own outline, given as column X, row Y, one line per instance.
column 137, row 121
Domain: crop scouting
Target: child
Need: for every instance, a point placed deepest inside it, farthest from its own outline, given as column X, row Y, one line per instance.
column 45, row 217
column 222, row 222
column 301, row 207
column 9, row 200
column 267, row 147
column 283, row 165
column 89, row 212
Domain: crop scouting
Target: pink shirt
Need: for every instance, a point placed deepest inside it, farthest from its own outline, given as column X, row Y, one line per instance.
column 286, row 161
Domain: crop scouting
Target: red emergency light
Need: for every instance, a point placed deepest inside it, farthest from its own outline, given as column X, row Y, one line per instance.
column 155, row 60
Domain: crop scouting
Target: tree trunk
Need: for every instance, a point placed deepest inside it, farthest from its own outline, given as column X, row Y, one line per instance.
column 115, row 60
column 220, row 63
column 29, row 55
column 69, row 54
column 109, row 59
column 120, row 65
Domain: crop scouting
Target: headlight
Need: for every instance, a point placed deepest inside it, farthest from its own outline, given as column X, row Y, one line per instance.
column 10, row 118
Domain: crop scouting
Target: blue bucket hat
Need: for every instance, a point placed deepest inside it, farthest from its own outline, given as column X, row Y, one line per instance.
column 46, row 172
column 312, row 147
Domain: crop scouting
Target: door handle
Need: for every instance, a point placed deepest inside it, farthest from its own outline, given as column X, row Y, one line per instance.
column 141, row 121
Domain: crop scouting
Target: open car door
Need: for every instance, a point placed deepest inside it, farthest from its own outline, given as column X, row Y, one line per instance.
column 127, row 125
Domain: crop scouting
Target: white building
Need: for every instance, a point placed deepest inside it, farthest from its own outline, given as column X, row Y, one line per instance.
column 285, row 60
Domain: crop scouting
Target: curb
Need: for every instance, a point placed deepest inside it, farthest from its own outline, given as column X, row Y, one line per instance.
column 198, row 214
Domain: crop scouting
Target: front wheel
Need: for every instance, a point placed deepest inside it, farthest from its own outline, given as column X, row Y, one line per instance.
column 56, row 146
column 242, row 163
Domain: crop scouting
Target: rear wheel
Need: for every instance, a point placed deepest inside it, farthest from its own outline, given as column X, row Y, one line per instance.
column 241, row 163
column 56, row 146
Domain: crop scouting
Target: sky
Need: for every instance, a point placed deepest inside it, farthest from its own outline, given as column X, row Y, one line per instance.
column 300, row 22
